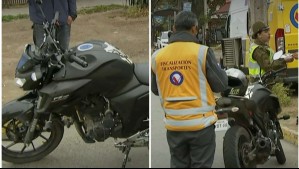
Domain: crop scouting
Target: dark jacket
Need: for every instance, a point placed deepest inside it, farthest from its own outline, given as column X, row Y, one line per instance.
column 64, row 7
column 216, row 77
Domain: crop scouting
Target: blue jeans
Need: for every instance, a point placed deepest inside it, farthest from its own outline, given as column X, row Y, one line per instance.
column 62, row 35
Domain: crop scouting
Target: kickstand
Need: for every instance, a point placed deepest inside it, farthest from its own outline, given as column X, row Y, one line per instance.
column 126, row 151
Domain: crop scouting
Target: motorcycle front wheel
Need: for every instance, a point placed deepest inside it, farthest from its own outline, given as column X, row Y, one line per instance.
column 279, row 153
column 43, row 143
column 236, row 146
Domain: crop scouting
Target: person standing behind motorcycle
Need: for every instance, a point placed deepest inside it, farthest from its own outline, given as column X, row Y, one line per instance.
column 185, row 74
column 67, row 14
column 261, row 55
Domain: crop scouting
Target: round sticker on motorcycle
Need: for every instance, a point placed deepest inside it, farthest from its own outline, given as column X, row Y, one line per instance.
column 176, row 78
column 85, row 47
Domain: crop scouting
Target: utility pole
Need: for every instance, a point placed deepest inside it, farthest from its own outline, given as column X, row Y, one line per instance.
column 205, row 26
column 258, row 10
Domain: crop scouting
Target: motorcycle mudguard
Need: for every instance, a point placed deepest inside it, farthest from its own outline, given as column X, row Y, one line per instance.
column 17, row 108
column 265, row 99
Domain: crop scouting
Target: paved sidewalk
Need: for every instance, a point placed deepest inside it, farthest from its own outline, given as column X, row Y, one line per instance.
column 80, row 4
column 290, row 135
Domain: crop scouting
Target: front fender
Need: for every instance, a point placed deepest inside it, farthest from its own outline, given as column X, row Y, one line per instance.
column 21, row 108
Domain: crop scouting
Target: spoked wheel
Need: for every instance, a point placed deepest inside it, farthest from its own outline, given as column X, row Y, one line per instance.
column 43, row 142
column 236, row 148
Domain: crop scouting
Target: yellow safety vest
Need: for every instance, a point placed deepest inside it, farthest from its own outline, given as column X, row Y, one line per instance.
column 254, row 68
column 186, row 97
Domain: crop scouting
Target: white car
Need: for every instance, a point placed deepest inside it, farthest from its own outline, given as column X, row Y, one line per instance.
column 162, row 40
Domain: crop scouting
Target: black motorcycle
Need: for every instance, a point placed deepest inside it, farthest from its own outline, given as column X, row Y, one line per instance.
column 94, row 86
column 252, row 112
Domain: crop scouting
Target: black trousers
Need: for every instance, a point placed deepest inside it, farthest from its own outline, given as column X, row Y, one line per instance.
column 192, row 149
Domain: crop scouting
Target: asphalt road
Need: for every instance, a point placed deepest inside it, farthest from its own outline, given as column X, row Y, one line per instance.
column 73, row 152
column 160, row 157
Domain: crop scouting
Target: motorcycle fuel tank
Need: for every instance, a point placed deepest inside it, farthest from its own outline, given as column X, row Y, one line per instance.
column 108, row 70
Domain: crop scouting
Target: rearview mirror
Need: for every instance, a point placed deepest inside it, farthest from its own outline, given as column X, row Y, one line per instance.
column 277, row 55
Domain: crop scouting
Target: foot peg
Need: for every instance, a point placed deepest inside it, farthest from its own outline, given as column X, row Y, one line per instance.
column 284, row 117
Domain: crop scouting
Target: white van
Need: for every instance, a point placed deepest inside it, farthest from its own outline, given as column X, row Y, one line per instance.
column 162, row 40
column 238, row 26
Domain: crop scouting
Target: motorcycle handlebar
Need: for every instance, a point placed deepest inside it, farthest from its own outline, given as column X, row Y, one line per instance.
column 280, row 70
column 70, row 55
column 272, row 73
column 78, row 60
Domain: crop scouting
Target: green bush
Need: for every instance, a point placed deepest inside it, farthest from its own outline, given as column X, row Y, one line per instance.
column 283, row 93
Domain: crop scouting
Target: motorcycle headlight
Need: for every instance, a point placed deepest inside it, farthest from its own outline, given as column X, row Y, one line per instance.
column 20, row 81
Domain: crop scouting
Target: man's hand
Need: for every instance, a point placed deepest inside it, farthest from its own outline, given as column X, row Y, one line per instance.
column 295, row 55
column 69, row 20
column 288, row 57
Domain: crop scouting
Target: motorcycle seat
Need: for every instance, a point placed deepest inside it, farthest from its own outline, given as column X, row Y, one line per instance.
column 141, row 72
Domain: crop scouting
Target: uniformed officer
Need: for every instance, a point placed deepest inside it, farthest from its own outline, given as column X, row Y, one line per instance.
column 185, row 74
column 261, row 55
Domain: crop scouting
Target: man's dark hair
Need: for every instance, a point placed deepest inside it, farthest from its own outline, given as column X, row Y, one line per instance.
column 184, row 21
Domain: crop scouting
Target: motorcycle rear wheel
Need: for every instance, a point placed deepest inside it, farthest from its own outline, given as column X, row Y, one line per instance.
column 236, row 147
column 43, row 143
column 279, row 153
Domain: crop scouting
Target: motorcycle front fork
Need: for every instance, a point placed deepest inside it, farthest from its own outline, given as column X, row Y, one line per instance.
column 32, row 126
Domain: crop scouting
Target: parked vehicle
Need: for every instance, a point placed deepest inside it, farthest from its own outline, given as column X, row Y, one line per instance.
column 252, row 110
column 280, row 15
column 162, row 40
column 94, row 86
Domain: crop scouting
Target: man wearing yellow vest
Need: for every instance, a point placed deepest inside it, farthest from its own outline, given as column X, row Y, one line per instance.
column 185, row 74
column 261, row 55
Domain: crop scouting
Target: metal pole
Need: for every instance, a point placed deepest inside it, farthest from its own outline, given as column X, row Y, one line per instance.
column 205, row 26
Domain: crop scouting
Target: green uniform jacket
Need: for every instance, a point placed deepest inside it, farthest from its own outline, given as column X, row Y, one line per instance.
column 261, row 55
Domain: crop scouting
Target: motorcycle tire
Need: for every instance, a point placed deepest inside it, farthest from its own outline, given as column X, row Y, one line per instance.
column 279, row 153
column 16, row 152
column 235, row 144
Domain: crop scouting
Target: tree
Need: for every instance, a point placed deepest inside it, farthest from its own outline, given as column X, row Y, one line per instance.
column 212, row 4
column 139, row 3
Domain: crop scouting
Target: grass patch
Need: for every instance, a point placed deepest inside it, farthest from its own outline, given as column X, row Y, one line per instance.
column 135, row 12
column 9, row 18
column 100, row 8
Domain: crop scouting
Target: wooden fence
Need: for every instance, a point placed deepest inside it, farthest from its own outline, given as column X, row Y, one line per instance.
column 8, row 3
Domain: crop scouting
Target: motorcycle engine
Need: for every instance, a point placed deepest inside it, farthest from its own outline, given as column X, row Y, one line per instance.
column 99, row 121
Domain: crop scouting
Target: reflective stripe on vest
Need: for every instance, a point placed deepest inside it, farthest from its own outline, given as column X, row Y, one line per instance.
column 254, row 68
column 185, row 94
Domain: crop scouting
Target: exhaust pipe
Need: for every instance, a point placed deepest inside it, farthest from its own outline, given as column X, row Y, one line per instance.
column 263, row 150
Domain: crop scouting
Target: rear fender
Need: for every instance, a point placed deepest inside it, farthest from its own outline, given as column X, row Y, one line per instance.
column 275, row 103
column 21, row 108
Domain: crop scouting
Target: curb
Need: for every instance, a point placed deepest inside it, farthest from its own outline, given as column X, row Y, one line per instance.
column 290, row 135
